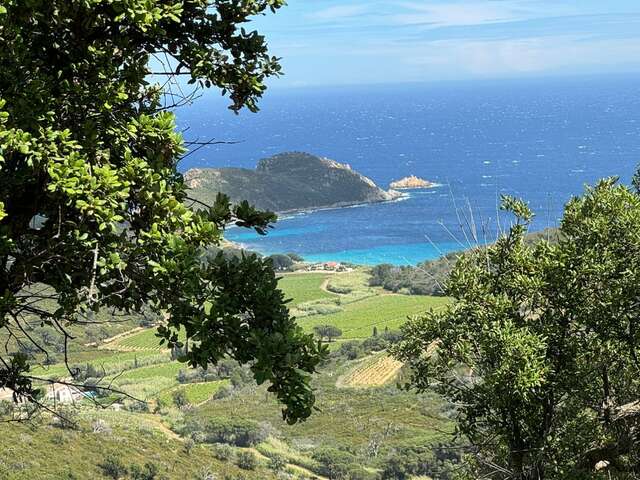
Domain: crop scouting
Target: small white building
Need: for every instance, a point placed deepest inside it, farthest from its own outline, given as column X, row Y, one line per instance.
column 57, row 393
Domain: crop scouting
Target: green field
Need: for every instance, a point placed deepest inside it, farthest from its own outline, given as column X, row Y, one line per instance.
column 196, row 392
column 143, row 341
column 358, row 319
column 304, row 287
column 169, row 369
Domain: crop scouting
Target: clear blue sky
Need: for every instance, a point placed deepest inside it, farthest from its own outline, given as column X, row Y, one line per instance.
column 337, row 42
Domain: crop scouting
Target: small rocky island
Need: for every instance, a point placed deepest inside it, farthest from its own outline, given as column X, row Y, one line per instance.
column 288, row 182
column 411, row 182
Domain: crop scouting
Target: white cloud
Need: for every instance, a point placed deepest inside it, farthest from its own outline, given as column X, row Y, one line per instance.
column 458, row 14
column 338, row 12
column 522, row 56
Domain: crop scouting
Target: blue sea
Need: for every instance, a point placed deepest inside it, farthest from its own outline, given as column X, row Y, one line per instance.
column 542, row 140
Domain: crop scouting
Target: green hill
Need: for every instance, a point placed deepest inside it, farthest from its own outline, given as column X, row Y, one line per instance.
column 286, row 182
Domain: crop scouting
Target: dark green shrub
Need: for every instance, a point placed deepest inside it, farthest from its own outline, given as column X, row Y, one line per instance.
column 350, row 350
column 395, row 469
column 113, row 467
column 374, row 344
column 149, row 471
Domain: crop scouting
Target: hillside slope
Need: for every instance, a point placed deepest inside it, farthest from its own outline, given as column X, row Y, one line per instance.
column 288, row 181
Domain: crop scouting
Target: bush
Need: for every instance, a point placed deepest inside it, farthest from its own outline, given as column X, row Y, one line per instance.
column 350, row 350
column 436, row 462
column 113, row 467
column 392, row 336
column 139, row 407
column 179, row 397
column 341, row 290
column 277, row 463
column 394, row 469
column 237, row 432
column 148, row 472
column 160, row 405
column 334, row 463
column 189, row 444
column 318, row 307
column 374, row 344
column 223, row 392
column 241, row 377
column 222, row 452
column 358, row 473
column 247, row 461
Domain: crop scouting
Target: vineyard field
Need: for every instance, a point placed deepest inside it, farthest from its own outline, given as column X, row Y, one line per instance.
column 143, row 341
column 373, row 373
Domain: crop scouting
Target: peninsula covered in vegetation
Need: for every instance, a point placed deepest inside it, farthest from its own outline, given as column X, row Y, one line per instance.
column 287, row 182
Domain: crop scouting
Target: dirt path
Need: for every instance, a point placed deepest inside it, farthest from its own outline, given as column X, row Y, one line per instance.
column 325, row 284
column 156, row 423
column 119, row 336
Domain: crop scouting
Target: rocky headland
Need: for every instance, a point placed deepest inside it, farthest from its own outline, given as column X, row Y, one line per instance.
column 288, row 182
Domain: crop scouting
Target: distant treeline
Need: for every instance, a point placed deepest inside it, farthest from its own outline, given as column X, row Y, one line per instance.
column 282, row 262
column 430, row 277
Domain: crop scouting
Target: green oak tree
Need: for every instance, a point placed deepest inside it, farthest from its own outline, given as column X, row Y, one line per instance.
column 538, row 350
column 93, row 211
column 330, row 332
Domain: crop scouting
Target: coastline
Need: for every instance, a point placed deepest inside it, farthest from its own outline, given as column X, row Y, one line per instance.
column 427, row 187
column 394, row 254
column 336, row 206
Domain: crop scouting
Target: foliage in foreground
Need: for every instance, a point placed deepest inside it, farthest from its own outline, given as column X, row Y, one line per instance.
column 93, row 211
column 538, row 351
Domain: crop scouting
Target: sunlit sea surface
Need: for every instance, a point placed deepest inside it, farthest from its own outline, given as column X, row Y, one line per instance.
column 541, row 140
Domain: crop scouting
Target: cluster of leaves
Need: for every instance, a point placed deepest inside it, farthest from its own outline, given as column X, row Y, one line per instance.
column 538, row 351
column 92, row 206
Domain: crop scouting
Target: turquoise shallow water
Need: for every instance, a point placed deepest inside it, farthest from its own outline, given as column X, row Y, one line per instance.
column 406, row 255
column 540, row 140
